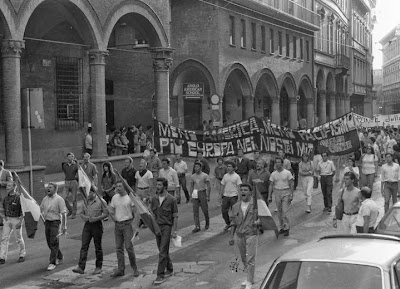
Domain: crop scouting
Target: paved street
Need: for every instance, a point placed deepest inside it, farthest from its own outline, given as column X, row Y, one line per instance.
column 204, row 261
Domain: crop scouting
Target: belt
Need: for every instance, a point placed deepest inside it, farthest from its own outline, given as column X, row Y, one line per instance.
column 145, row 188
column 350, row 214
column 129, row 220
column 326, row 175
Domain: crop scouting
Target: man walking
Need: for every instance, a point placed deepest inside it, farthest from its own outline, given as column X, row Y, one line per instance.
column 144, row 182
column 200, row 189
column 89, row 141
column 93, row 214
column 170, row 175
column 204, row 163
column 5, row 177
column 90, row 169
column 326, row 170
column 70, row 169
column 368, row 212
column 54, row 213
column 242, row 166
column 390, row 177
column 229, row 191
column 13, row 219
column 244, row 224
column 281, row 183
column 181, row 168
column 165, row 210
column 122, row 210
column 129, row 172
column 259, row 179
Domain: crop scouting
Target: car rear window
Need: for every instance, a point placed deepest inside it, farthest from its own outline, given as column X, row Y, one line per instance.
column 326, row 275
column 391, row 221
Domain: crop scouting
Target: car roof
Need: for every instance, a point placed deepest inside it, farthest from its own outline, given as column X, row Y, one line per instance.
column 368, row 249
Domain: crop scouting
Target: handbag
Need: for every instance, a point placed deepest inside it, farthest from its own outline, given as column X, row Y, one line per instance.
column 339, row 209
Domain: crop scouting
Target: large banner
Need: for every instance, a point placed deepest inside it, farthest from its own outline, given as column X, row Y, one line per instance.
column 338, row 137
column 378, row 120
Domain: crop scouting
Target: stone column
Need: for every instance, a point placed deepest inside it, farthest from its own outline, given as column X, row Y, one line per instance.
column 161, row 64
column 339, row 111
column 332, row 105
column 342, row 103
column 368, row 105
column 248, row 107
column 322, row 106
column 276, row 116
column 11, row 55
column 347, row 107
column 310, row 112
column 293, row 113
column 97, row 60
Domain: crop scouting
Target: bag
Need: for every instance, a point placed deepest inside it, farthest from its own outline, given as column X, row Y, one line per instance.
column 195, row 194
column 315, row 185
column 339, row 209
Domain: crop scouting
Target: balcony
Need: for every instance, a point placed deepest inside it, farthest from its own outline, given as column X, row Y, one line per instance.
column 342, row 64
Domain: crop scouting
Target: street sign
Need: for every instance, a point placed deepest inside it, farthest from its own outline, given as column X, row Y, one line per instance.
column 214, row 99
column 193, row 90
column 215, row 115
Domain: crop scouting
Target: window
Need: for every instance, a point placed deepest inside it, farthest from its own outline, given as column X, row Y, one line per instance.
column 280, row 40
column 294, row 46
column 232, row 40
column 253, row 36
column 69, row 92
column 301, row 49
column 307, row 50
column 271, row 41
column 263, row 38
column 330, row 38
column 287, row 45
column 243, row 36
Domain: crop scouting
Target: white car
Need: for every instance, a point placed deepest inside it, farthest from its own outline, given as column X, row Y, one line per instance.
column 359, row 261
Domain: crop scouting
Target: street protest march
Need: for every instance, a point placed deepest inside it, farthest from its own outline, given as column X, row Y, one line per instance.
column 338, row 137
column 378, row 120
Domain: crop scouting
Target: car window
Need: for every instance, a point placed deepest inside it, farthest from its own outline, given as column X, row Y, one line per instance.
column 326, row 275
column 397, row 275
column 391, row 221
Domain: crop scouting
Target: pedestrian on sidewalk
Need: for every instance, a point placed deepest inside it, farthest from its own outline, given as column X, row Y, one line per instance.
column 351, row 202
column 351, row 167
column 129, row 172
column 390, row 177
column 229, row 191
column 200, row 189
column 165, row 210
column 90, row 169
column 205, row 165
column 219, row 172
column 306, row 173
column 368, row 213
column 5, row 177
column 242, row 166
column 122, row 209
column 108, row 182
column 326, row 170
column 92, row 215
column 171, row 176
column 54, row 213
column 282, row 184
column 70, row 169
column 13, row 219
column 244, row 224
column 89, row 141
column 181, row 168
column 144, row 182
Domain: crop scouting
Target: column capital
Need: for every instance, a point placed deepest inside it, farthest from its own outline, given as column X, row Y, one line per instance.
column 310, row 100
column 97, row 57
column 292, row 101
column 162, row 58
column 321, row 91
column 12, row 48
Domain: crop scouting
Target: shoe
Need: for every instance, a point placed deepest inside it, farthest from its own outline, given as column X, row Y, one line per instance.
column 117, row 273
column 97, row 271
column 286, row 233
column 59, row 261
column 21, row 259
column 325, row 209
column 136, row 273
column 168, row 273
column 329, row 210
column 308, row 211
column 144, row 226
column 187, row 201
column 281, row 231
column 227, row 228
column 2, row 261
column 159, row 280
column 207, row 226
column 51, row 267
column 78, row 270
column 196, row 229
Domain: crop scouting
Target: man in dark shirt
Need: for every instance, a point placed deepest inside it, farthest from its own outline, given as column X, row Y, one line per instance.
column 242, row 166
column 128, row 173
column 12, row 222
column 70, row 169
column 205, row 167
column 165, row 210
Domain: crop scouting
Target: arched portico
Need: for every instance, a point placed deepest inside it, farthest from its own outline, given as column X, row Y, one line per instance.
column 266, row 100
column 321, row 97
column 305, row 104
column 331, row 98
column 288, row 101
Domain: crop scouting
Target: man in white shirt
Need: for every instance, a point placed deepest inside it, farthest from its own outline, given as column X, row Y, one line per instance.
column 390, row 177
column 326, row 170
column 368, row 212
column 181, row 168
column 170, row 175
column 144, row 182
column 229, row 191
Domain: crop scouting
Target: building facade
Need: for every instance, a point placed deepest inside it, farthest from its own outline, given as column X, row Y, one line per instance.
column 391, row 71
column 79, row 62
column 378, row 104
column 242, row 58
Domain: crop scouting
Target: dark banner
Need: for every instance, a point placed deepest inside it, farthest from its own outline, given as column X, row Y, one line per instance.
column 338, row 137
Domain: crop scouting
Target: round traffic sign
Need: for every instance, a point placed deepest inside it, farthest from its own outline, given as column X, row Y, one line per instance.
column 215, row 99
column 215, row 115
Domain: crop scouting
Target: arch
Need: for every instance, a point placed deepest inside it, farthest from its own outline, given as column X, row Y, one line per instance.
column 320, row 81
column 272, row 83
column 237, row 66
column 306, row 86
column 266, row 90
column 89, row 17
column 289, row 84
column 137, row 7
column 7, row 16
column 330, row 84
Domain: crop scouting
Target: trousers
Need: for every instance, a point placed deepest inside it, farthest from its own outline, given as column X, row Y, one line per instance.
column 9, row 227
column 248, row 251
column 123, row 236
column 95, row 231
column 201, row 201
column 51, row 229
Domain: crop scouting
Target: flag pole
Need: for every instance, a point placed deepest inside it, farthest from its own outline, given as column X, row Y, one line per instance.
column 28, row 95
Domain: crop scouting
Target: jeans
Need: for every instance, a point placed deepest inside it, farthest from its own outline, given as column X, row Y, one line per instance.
column 8, row 227
column 326, row 188
column 348, row 222
column 283, row 205
column 70, row 187
column 182, row 183
column 52, row 229
column 163, row 240
column 218, row 188
column 227, row 203
column 248, row 252
column 201, row 201
column 307, row 184
column 367, row 180
column 390, row 190
column 95, row 231
column 123, row 236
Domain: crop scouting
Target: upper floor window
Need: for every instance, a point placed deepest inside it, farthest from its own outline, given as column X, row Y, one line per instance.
column 253, row 36
column 243, row 35
column 307, row 50
column 263, row 38
column 294, row 46
column 271, row 41
column 301, row 49
column 280, row 40
column 287, row 45
column 232, row 38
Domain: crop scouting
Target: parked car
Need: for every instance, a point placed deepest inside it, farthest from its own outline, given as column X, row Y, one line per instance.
column 359, row 261
column 390, row 223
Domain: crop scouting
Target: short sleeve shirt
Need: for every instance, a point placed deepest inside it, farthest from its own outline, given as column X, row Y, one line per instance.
column 326, row 168
column 143, row 180
column 199, row 181
column 231, row 183
column 368, row 208
column 281, row 179
column 53, row 207
column 123, row 207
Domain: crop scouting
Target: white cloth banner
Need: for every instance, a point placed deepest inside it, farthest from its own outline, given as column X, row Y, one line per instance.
column 377, row 120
